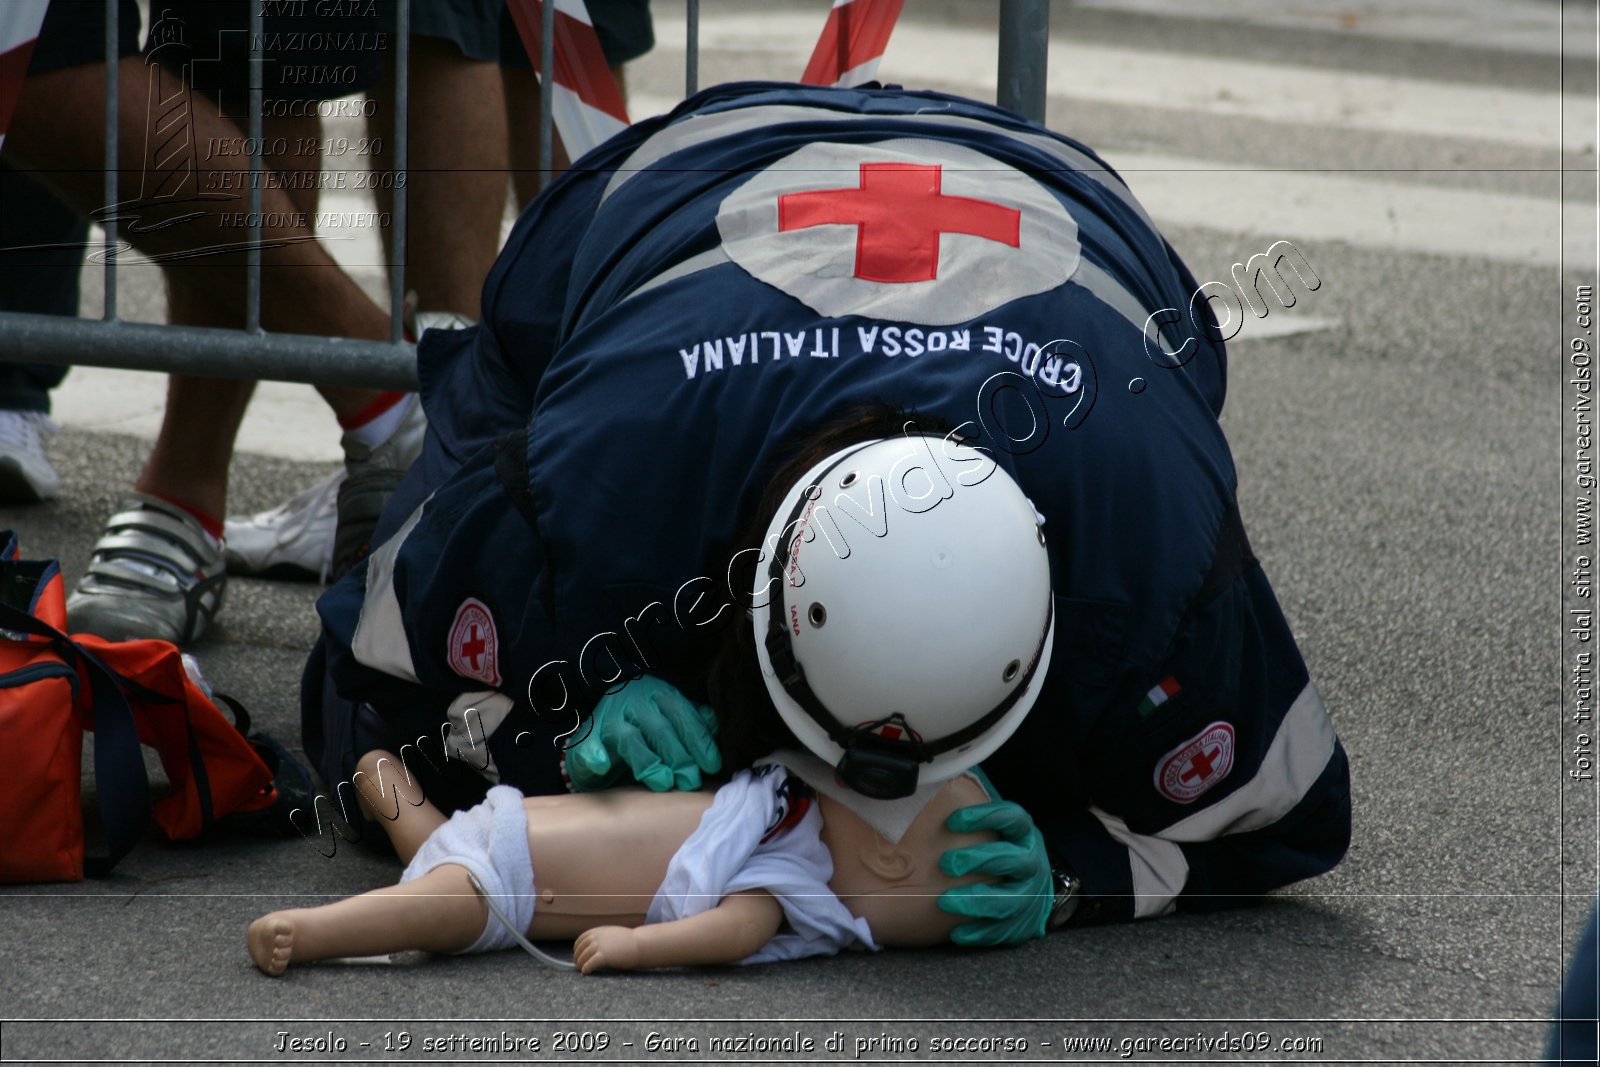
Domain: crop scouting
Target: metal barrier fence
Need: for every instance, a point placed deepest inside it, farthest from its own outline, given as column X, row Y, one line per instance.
column 252, row 353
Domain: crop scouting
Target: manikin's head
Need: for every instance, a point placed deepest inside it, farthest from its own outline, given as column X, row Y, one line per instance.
column 895, row 886
column 901, row 610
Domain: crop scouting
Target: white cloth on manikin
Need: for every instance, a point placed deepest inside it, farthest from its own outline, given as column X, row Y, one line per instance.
column 491, row 841
column 727, row 854
column 891, row 818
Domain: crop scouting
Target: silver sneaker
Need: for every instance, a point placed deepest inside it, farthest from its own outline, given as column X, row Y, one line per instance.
column 373, row 475
column 26, row 476
column 291, row 542
column 153, row 574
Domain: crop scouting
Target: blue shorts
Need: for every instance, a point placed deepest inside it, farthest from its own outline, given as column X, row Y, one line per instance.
column 313, row 51
column 74, row 34
column 483, row 29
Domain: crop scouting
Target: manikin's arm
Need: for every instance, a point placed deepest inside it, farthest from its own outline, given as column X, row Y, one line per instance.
column 734, row 929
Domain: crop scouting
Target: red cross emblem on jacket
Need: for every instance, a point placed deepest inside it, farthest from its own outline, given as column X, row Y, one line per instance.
column 905, row 229
column 899, row 213
column 1197, row 764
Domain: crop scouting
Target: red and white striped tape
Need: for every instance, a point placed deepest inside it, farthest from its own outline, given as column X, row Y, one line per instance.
column 853, row 41
column 19, row 28
column 588, row 105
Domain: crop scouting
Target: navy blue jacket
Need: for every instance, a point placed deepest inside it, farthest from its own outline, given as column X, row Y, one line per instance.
column 678, row 310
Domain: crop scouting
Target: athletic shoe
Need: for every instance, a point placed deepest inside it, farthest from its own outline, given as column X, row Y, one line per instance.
column 26, row 476
column 154, row 573
column 424, row 321
column 296, row 539
column 374, row 472
column 291, row 542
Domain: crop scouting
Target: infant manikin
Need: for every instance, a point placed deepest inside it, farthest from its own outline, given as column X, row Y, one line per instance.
column 762, row 869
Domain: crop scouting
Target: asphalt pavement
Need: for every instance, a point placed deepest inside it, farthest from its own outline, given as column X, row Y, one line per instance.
column 1405, row 446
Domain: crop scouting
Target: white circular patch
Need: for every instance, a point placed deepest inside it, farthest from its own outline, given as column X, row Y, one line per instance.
column 906, row 229
column 1197, row 764
column 474, row 645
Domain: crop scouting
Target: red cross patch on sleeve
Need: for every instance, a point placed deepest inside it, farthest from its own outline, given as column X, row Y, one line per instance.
column 1197, row 764
column 474, row 645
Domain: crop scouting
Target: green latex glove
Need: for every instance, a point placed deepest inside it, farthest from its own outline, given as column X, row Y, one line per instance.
column 651, row 732
column 1014, row 909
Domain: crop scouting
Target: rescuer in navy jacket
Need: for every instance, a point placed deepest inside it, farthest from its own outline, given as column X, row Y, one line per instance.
column 706, row 289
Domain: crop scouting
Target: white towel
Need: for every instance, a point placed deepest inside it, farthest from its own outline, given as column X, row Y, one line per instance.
column 891, row 818
column 491, row 841
column 725, row 855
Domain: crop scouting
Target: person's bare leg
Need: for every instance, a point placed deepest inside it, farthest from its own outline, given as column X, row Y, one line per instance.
column 194, row 447
column 57, row 132
column 439, row 912
column 186, row 463
column 522, row 117
column 522, row 120
column 456, row 182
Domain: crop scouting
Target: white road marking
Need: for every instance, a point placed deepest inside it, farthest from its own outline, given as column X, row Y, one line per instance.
column 1502, row 25
column 1269, row 92
column 285, row 420
column 1279, row 323
column 1296, row 205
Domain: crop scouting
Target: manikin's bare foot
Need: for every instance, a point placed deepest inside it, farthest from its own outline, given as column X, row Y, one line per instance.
column 271, row 940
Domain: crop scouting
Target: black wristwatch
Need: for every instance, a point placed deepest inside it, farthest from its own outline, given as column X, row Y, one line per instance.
column 1069, row 894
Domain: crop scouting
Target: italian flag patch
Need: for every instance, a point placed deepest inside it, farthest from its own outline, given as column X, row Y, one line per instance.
column 1163, row 691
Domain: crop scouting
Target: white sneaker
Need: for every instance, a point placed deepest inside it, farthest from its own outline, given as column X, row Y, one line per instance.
column 302, row 538
column 26, row 476
column 418, row 322
column 291, row 542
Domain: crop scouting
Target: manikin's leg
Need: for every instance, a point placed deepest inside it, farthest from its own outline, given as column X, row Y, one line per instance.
column 439, row 912
column 389, row 797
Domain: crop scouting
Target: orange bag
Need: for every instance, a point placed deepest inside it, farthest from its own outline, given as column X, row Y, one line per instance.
column 53, row 687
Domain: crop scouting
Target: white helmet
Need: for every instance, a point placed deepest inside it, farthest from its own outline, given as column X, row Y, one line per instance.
column 903, row 616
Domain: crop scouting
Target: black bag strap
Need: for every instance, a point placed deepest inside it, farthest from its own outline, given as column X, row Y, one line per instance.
column 1231, row 559
column 511, row 471
column 241, row 714
column 121, row 785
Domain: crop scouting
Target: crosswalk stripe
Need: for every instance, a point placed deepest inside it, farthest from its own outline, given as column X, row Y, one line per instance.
column 1277, row 92
column 1297, row 205
column 1268, row 92
column 1531, row 26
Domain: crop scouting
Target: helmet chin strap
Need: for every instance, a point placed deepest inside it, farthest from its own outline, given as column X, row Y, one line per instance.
column 872, row 765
